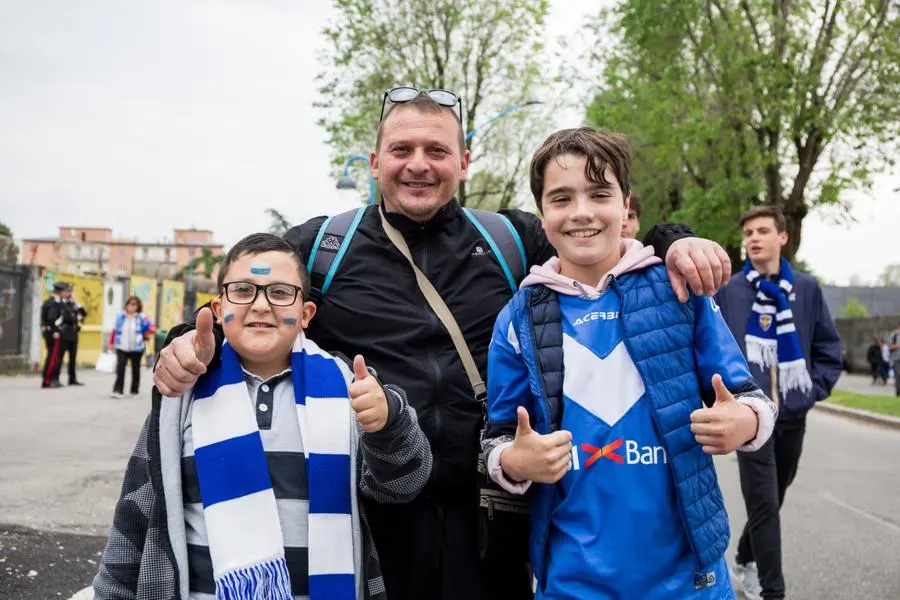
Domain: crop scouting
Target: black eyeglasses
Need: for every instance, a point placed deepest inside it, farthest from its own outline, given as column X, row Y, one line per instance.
column 278, row 294
column 399, row 95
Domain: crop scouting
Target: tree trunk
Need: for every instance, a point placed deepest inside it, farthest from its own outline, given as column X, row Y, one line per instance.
column 734, row 253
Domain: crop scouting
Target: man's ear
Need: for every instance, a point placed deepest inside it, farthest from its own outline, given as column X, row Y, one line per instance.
column 783, row 238
column 464, row 166
column 309, row 311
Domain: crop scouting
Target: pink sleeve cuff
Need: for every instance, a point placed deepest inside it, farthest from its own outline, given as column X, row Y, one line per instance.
column 497, row 474
column 766, row 417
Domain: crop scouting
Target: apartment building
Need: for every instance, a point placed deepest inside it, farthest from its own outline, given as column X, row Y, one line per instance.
column 94, row 250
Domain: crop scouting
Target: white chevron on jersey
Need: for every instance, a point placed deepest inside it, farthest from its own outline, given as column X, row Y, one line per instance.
column 605, row 387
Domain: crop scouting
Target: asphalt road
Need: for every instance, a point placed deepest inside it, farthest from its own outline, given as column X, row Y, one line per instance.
column 62, row 453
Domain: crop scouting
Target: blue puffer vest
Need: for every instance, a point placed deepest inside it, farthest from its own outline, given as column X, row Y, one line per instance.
column 658, row 332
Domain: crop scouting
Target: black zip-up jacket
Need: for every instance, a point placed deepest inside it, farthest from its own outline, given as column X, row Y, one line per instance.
column 374, row 308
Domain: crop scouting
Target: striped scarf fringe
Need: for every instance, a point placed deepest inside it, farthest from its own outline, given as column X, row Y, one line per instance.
column 771, row 336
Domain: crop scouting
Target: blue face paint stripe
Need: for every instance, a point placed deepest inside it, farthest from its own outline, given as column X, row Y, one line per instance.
column 289, row 321
column 229, row 317
column 260, row 270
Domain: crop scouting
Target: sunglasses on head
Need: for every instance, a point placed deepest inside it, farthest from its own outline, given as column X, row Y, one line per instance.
column 399, row 95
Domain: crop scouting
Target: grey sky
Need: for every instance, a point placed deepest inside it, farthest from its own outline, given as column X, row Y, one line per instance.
column 147, row 115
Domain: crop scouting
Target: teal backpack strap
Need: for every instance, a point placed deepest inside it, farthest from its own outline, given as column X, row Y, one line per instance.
column 504, row 242
column 330, row 247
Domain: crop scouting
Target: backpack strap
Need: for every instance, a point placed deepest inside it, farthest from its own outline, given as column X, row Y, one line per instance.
column 330, row 246
column 504, row 242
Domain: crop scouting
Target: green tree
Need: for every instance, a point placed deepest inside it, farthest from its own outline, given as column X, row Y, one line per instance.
column 854, row 309
column 9, row 252
column 890, row 277
column 280, row 223
column 732, row 103
column 488, row 52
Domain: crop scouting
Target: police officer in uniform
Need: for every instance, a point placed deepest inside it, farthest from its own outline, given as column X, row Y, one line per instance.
column 72, row 306
column 51, row 319
column 68, row 332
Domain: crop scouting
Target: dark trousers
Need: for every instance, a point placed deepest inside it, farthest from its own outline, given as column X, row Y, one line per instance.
column 134, row 358
column 52, row 363
column 765, row 477
column 70, row 347
column 879, row 371
column 897, row 377
column 430, row 550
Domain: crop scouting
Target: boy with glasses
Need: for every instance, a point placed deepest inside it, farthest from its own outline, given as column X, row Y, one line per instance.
column 251, row 479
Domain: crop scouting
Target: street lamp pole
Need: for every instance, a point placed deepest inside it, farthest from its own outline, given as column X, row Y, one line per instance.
column 501, row 114
column 346, row 182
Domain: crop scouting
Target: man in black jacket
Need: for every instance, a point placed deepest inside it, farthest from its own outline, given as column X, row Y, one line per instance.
column 429, row 547
column 51, row 319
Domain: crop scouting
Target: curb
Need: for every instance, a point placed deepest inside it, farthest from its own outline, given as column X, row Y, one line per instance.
column 859, row 415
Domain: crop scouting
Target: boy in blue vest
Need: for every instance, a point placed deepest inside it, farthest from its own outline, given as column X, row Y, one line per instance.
column 606, row 398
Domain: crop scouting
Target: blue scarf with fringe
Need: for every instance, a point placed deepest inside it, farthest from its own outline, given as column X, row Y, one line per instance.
column 245, row 539
column 771, row 336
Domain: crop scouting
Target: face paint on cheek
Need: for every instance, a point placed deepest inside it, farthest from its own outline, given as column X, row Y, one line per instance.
column 260, row 269
column 229, row 317
column 289, row 321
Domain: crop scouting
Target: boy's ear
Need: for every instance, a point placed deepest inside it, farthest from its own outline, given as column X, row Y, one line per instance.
column 309, row 311
column 216, row 306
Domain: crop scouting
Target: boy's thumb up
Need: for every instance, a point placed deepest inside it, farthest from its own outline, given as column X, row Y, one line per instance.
column 360, row 371
column 722, row 393
column 523, row 427
column 204, row 341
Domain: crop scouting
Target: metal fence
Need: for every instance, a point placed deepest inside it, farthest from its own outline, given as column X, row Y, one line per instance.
column 12, row 296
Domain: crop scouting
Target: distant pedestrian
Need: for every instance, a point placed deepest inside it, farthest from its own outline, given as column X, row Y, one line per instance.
column 631, row 225
column 876, row 360
column 133, row 329
column 894, row 347
column 780, row 319
column 51, row 313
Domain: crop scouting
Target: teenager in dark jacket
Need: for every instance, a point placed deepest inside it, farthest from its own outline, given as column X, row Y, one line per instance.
column 779, row 318
column 429, row 547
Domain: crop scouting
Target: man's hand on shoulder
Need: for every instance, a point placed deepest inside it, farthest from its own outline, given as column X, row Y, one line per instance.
column 699, row 263
column 182, row 362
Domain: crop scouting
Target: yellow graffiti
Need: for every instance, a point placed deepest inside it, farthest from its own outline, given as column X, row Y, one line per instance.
column 203, row 298
column 145, row 289
column 172, row 309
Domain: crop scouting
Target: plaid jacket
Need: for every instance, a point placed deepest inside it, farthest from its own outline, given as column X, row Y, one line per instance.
column 146, row 553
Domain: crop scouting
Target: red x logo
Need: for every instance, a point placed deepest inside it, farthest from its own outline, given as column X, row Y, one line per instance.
column 607, row 451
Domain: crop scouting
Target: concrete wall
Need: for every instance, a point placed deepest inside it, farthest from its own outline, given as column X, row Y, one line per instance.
column 880, row 301
column 856, row 337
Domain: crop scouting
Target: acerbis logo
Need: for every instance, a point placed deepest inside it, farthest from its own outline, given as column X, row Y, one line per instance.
column 611, row 315
column 634, row 454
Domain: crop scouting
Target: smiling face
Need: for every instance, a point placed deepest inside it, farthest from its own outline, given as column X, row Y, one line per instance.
column 419, row 163
column 582, row 218
column 263, row 334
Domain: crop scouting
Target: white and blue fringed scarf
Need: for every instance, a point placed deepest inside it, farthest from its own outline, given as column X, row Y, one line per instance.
column 771, row 336
column 244, row 532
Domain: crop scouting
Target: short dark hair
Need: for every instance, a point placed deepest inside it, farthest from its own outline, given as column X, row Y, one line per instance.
column 767, row 210
column 140, row 305
column 636, row 205
column 424, row 104
column 258, row 243
column 599, row 148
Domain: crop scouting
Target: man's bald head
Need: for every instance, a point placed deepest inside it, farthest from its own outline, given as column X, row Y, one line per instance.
column 425, row 105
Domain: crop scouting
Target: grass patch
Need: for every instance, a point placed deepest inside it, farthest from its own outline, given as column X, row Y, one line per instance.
column 885, row 405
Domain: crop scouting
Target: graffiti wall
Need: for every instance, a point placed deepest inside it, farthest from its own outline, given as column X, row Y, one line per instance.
column 171, row 311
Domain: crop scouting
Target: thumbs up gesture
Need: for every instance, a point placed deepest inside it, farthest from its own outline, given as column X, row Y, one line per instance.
column 536, row 457
column 726, row 425
column 367, row 398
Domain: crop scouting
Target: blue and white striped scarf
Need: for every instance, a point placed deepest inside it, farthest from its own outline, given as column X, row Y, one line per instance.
column 771, row 336
column 245, row 540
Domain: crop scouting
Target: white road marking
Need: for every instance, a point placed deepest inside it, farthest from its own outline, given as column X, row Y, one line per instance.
column 860, row 512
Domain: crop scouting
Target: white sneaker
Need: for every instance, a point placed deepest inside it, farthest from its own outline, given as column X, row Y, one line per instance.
column 117, row 395
column 748, row 577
